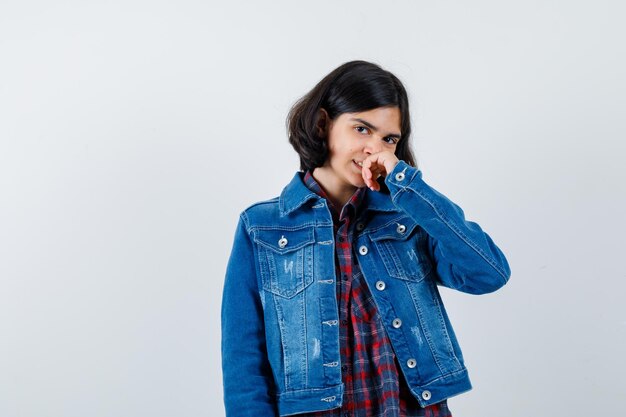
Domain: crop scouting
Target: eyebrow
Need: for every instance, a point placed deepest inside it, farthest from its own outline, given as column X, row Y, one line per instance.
column 374, row 128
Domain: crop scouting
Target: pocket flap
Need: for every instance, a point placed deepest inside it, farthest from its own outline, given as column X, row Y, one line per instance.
column 399, row 229
column 284, row 241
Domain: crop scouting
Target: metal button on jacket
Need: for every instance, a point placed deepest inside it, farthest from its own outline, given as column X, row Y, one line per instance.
column 411, row 363
column 426, row 395
column 282, row 242
column 380, row 285
column 363, row 250
column 399, row 176
column 401, row 228
column 397, row 323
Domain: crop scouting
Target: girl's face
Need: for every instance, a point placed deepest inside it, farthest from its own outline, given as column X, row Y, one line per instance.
column 354, row 136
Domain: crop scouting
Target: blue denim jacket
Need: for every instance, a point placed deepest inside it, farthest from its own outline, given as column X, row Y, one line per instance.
column 280, row 333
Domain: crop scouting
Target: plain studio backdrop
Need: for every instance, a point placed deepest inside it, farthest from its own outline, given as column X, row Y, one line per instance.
column 132, row 134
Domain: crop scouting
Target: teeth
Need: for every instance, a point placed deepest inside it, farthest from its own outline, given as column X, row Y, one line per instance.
column 359, row 163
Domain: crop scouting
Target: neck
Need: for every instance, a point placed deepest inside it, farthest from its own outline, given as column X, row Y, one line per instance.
column 338, row 192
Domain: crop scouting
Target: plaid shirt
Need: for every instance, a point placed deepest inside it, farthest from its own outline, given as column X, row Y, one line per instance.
column 370, row 370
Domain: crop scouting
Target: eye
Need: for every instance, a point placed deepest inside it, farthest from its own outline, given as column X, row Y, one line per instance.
column 392, row 140
column 361, row 127
column 389, row 139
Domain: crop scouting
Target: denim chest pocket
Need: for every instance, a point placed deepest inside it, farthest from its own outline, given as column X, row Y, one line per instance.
column 286, row 260
column 402, row 246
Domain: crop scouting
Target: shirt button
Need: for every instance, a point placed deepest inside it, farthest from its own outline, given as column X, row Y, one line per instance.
column 341, row 239
column 344, row 368
column 411, row 363
column 397, row 323
column 399, row 176
column 345, row 323
column 380, row 285
column 360, row 226
column 426, row 395
column 363, row 250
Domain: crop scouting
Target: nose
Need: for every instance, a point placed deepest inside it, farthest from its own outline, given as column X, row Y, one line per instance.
column 373, row 145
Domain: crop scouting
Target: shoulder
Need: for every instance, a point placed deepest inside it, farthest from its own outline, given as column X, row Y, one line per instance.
column 261, row 205
column 260, row 212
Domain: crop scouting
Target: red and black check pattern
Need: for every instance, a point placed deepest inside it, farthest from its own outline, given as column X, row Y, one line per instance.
column 374, row 385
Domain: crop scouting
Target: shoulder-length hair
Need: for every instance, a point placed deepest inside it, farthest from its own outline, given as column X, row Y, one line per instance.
column 355, row 86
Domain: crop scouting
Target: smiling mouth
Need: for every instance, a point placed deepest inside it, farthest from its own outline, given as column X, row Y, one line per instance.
column 359, row 164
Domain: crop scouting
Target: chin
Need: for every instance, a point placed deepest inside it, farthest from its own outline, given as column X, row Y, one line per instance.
column 358, row 182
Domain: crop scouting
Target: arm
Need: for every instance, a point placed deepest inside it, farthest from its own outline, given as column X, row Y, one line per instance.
column 466, row 257
column 246, row 371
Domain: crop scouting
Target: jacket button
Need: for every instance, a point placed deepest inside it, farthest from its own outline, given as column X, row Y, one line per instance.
column 360, row 226
column 401, row 229
column 363, row 250
column 411, row 363
column 426, row 395
column 399, row 176
column 380, row 285
column 282, row 242
column 397, row 323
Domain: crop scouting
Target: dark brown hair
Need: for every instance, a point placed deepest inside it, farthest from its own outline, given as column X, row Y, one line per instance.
column 355, row 86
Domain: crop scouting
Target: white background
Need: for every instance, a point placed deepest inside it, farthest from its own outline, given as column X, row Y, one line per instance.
column 132, row 133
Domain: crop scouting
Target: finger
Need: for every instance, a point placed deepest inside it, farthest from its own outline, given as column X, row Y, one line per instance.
column 364, row 174
column 371, row 163
column 367, row 169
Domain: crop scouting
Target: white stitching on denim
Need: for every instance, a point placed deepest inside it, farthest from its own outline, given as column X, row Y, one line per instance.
column 331, row 364
column 325, row 281
column 329, row 399
column 330, row 322
column 326, row 242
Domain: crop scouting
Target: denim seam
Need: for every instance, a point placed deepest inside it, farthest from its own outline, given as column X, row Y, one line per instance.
column 290, row 228
column 427, row 335
column 444, row 376
column 306, row 340
column 442, row 322
column 388, row 223
column 281, row 326
column 306, row 390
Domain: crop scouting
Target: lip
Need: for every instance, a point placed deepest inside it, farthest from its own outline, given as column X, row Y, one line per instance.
column 355, row 163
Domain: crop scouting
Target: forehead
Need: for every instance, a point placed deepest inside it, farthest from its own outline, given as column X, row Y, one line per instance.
column 384, row 120
column 384, row 116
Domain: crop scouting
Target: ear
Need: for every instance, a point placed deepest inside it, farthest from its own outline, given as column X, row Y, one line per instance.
column 322, row 123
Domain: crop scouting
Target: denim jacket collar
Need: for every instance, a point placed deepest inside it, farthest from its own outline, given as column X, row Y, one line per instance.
column 297, row 193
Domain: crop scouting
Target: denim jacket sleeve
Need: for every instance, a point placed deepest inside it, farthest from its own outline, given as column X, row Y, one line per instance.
column 466, row 257
column 246, row 372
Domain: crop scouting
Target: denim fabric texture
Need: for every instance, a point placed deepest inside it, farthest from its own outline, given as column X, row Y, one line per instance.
column 279, row 313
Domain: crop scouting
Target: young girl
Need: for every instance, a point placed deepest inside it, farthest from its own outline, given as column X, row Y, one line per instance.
column 330, row 304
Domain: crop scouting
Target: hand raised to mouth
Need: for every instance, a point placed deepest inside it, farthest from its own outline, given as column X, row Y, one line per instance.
column 376, row 165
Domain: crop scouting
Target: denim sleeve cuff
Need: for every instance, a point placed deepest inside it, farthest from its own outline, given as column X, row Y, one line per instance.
column 400, row 177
